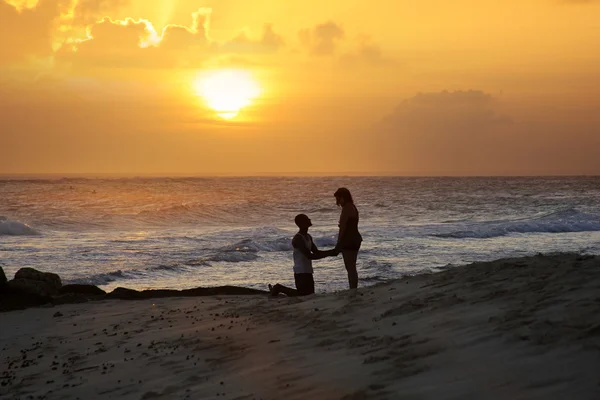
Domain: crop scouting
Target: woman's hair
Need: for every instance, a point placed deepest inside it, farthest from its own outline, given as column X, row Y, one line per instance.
column 343, row 193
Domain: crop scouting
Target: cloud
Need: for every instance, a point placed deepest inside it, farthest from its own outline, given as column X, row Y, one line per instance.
column 33, row 29
column 73, row 34
column 133, row 43
column 178, row 37
column 87, row 11
column 467, row 132
column 77, row 34
column 269, row 42
column 20, row 5
column 329, row 38
column 63, row 19
column 323, row 39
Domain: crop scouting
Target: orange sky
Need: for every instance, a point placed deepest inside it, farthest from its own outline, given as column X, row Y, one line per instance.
column 468, row 87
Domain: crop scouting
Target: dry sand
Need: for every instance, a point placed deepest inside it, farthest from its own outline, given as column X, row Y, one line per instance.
column 526, row 328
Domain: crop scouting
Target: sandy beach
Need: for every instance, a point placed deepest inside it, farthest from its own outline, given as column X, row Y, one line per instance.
column 525, row 328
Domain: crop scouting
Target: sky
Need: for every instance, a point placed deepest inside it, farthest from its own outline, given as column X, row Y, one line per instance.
column 193, row 87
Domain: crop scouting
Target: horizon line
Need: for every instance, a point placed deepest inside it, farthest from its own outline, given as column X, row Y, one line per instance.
column 357, row 174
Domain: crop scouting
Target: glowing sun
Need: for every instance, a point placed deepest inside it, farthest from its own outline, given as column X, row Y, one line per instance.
column 227, row 91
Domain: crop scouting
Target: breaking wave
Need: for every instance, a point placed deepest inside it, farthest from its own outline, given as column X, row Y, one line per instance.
column 15, row 228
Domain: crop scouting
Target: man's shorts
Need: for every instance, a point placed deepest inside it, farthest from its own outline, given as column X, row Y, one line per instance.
column 304, row 284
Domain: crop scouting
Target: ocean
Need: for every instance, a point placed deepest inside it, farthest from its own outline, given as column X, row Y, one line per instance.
column 188, row 232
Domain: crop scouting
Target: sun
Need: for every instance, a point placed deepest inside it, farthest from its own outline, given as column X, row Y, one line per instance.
column 227, row 91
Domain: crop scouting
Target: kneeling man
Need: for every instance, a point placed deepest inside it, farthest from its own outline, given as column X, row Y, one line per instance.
column 305, row 251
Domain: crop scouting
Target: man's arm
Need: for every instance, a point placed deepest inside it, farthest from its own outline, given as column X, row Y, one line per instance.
column 299, row 244
column 318, row 254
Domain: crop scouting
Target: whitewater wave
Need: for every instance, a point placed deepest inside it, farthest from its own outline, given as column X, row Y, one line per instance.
column 102, row 279
column 253, row 245
column 234, row 256
column 15, row 228
column 243, row 251
column 560, row 221
column 275, row 245
column 324, row 242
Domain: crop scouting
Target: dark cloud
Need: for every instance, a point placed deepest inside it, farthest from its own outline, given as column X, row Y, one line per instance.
column 466, row 132
column 452, row 112
column 440, row 130
column 323, row 39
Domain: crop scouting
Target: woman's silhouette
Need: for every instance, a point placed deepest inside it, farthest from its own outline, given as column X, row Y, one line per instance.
column 349, row 238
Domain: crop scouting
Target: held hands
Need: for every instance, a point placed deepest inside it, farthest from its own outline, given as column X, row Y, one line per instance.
column 331, row 253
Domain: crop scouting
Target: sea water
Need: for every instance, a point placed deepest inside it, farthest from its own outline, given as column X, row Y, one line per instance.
column 187, row 232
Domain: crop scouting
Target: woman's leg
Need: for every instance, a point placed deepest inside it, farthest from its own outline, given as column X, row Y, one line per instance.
column 350, row 257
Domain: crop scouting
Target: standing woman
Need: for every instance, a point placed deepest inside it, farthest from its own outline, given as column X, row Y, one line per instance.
column 349, row 238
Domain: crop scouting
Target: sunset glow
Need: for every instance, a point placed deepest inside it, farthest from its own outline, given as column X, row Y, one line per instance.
column 474, row 87
column 227, row 91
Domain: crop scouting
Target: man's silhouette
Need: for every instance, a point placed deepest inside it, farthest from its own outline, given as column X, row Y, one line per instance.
column 305, row 251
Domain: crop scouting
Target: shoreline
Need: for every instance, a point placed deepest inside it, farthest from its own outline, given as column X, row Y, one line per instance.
column 512, row 328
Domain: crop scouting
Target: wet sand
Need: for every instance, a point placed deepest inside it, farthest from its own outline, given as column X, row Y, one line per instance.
column 526, row 328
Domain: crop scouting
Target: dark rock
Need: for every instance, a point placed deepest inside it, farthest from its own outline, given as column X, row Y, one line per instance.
column 33, row 287
column 82, row 289
column 35, row 275
column 124, row 294
column 37, row 282
column 57, row 314
column 70, row 298
column 222, row 290
column 157, row 293
column 22, row 293
column 130, row 294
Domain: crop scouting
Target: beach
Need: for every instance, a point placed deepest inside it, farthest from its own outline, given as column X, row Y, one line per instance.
column 295, row 200
column 522, row 328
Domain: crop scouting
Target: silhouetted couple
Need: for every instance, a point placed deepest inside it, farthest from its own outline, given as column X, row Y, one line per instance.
column 305, row 250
